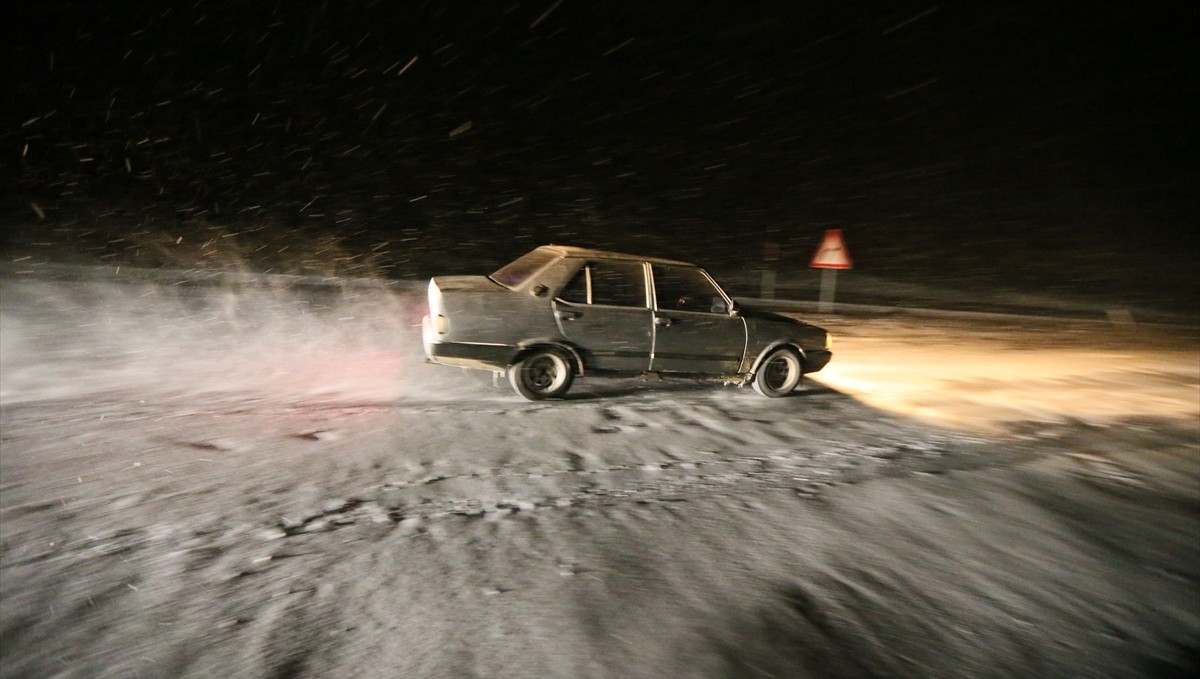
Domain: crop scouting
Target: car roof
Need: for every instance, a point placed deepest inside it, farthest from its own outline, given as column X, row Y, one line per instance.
column 572, row 251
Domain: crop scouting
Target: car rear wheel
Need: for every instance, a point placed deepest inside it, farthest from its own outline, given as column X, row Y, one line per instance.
column 779, row 374
column 541, row 374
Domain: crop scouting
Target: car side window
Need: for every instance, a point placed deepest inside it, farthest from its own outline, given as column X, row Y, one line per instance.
column 680, row 288
column 617, row 283
column 576, row 291
column 609, row 283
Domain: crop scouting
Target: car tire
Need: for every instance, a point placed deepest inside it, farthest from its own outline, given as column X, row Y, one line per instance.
column 541, row 374
column 779, row 374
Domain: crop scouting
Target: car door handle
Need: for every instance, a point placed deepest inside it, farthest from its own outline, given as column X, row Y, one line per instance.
column 567, row 315
column 662, row 320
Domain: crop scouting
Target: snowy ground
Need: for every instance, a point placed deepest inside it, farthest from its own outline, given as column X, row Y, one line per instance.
column 267, row 482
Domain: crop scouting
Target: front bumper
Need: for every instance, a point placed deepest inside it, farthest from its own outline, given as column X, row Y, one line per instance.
column 815, row 359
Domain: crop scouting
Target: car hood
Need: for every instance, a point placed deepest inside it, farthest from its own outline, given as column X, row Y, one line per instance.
column 768, row 315
column 753, row 308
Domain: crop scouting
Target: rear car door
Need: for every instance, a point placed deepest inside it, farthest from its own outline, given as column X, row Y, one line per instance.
column 605, row 312
column 693, row 328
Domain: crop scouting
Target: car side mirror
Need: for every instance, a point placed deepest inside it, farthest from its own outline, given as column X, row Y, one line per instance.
column 539, row 290
column 718, row 306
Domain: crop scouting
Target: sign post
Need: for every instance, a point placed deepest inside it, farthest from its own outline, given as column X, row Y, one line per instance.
column 770, row 256
column 831, row 256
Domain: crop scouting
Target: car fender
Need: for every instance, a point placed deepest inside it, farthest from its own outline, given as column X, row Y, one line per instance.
column 762, row 355
column 525, row 345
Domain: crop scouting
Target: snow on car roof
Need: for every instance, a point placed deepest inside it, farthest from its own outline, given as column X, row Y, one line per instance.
column 572, row 251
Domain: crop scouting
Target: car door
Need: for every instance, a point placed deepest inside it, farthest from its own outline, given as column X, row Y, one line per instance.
column 605, row 311
column 693, row 328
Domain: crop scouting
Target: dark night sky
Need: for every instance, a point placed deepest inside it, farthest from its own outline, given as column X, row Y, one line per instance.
column 987, row 138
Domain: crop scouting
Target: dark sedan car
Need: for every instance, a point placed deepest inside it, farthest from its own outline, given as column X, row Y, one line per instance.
column 560, row 312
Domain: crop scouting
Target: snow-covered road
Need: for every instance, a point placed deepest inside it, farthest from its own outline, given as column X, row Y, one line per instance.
column 260, row 482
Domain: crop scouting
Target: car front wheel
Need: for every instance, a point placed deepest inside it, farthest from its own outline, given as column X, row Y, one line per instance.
column 541, row 374
column 779, row 374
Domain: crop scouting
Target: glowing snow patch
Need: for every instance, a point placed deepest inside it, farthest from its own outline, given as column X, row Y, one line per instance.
column 982, row 378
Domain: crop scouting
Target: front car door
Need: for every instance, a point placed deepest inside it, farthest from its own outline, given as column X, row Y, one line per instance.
column 605, row 312
column 694, row 330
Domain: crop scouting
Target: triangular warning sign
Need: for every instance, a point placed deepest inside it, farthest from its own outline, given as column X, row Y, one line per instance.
column 833, row 253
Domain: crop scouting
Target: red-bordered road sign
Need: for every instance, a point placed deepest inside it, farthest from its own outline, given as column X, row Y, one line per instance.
column 833, row 253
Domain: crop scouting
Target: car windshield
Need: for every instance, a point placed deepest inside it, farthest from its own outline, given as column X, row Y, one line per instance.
column 515, row 273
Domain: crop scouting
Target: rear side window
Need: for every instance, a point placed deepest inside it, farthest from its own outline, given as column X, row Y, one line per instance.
column 576, row 292
column 607, row 282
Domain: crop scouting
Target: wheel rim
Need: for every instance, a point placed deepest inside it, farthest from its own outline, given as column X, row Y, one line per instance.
column 545, row 374
column 779, row 373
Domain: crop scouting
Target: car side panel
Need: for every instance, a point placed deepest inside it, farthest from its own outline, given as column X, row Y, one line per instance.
column 487, row 328
column 763, row 333
column 608, row 337
column 697, row 342
column 502, row 318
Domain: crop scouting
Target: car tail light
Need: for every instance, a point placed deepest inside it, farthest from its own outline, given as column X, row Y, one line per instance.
column 435, row 298
column 440, row 323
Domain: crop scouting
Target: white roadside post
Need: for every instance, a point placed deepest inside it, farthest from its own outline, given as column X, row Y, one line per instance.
column 828, row 286
column 770, row 257
column 831, row 256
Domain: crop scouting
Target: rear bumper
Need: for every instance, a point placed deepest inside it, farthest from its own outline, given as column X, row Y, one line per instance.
column 816, row 359
column 428, row 336
column 465, row 354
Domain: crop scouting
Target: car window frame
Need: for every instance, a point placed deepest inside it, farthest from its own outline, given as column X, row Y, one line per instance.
column 585, row 267
column 712, row 281
column 581, row 266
